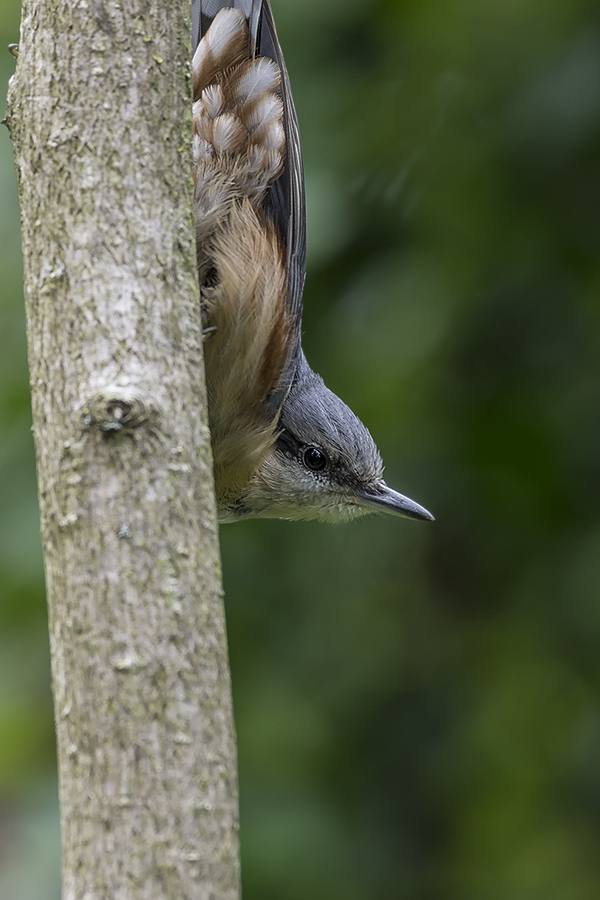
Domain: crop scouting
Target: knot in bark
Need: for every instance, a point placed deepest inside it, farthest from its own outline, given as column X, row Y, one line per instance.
column 117, row 409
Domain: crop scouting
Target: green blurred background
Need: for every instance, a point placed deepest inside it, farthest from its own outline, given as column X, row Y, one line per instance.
column 418, row 706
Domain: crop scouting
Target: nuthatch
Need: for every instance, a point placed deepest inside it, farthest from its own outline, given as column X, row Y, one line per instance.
column 284, row 446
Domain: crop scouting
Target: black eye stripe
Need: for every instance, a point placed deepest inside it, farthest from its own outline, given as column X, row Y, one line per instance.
column 288, row 444
column 314, row 459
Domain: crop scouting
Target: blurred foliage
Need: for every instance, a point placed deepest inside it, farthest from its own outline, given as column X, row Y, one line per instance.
column 418, row 706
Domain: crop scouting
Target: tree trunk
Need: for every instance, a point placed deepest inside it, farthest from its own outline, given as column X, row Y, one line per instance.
column 100, row 115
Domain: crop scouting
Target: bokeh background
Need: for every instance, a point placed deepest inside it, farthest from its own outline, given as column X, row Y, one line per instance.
column 418, row 706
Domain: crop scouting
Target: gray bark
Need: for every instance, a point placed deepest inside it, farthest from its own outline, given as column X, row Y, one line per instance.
column 100, row 115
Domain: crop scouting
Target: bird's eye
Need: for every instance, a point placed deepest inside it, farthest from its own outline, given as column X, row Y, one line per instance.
column 314, row 459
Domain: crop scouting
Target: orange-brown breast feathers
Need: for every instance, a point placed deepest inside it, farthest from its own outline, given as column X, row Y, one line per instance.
column 238, row 150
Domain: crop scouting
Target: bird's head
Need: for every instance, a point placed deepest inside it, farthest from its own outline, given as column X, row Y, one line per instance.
column 324, row 464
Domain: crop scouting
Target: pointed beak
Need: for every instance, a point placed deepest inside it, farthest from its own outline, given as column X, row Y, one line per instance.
column 381, row 497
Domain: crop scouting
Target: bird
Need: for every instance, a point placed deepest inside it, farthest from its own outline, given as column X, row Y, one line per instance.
column 284, row 446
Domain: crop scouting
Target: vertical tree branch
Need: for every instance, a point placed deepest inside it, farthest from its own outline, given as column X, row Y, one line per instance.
column 100, row 115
